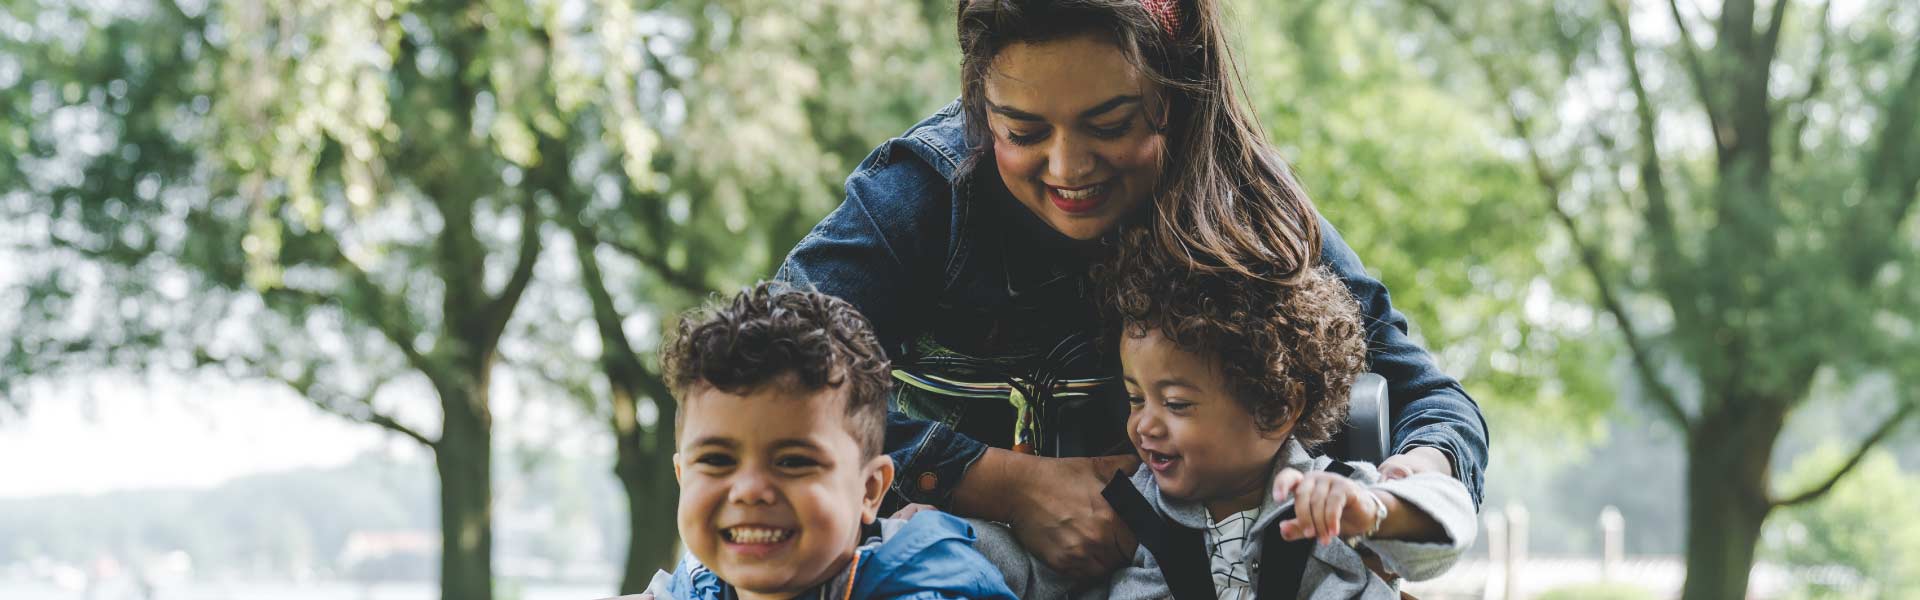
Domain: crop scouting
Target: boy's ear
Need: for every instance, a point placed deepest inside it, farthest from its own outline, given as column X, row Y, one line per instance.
column 879, row 479
column 1287, row 422
column 676, row 467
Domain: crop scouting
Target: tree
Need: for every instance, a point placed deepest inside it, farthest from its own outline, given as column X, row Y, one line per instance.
column 329, row 195
column 825, row 81
column 383, row 169
column 1738, row 191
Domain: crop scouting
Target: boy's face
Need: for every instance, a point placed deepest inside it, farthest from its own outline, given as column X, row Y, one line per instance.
column 773, row 489
column 1201, row 444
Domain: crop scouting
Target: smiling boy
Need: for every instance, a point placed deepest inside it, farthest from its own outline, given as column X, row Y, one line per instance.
column 782, row 409
column 1231, row 382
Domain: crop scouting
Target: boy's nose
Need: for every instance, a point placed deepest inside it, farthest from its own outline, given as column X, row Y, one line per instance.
column 1148, row 425
column 752, row 487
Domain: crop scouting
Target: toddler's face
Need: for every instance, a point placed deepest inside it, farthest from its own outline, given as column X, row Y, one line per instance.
column 773, row 488
column 1201, row 444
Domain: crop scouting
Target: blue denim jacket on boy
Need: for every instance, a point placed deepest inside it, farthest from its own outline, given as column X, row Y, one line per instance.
column 982, row 306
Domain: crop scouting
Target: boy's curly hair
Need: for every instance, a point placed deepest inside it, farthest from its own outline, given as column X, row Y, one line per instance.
column 1287, row 348
column 772, row 330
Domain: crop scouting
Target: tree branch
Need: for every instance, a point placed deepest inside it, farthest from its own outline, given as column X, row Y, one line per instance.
column 686, row 281
column 1589, row 258
column 1674, row 267
column 1815, row 83
column 1697, row 72
column 1886, row 427
column 618, row 358
column 1893, row 177
column 386, row 312
column 500, row 309
column 1770, row 41
column 306, row 384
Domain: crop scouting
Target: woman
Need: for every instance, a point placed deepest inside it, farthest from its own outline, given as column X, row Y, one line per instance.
column 968, row 239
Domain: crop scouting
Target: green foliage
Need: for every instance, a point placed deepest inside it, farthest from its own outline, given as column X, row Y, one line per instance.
column 1417, row 184
column 1870, row 522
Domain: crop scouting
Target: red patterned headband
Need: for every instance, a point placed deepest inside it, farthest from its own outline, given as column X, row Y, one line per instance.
column 1166, row 12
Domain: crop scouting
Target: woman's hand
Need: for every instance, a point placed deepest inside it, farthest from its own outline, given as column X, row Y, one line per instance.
column 1325, row 506
column 1054, row 506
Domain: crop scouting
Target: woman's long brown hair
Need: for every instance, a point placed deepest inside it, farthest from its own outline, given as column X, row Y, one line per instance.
column 1226, row 202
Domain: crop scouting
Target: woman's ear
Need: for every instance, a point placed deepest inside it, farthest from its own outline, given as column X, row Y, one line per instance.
column 879, row 479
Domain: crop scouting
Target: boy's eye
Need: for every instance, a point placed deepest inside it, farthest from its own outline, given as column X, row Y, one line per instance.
column 796, row 462
column 1136, row 400
column 714, row 460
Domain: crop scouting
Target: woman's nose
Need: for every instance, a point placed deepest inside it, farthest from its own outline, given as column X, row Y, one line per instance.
column 1069, row 160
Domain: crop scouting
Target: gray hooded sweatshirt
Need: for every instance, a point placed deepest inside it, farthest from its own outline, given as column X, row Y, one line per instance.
column 1332, row 571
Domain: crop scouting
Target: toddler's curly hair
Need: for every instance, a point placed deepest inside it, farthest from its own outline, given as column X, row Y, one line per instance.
column 1288, row 349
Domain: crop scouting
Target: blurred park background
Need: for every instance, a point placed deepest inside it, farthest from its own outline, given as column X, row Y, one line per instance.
column 359, row 298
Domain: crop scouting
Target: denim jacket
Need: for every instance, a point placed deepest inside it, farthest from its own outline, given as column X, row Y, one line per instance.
column 963, row 284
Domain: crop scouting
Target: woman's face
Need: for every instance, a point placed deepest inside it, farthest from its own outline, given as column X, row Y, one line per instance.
column 1073, row 132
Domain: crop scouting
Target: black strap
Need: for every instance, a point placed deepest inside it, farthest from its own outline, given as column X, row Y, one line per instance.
column 1181, row 552
column 1340, row 468
column 1283, row 564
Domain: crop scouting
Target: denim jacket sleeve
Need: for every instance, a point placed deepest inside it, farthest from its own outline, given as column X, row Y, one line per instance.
column 885, row 251
column 1429, row 408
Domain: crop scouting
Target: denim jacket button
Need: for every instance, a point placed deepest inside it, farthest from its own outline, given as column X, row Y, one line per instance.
column 928, row 481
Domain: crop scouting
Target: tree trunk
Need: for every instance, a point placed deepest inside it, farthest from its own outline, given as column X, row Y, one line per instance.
column 464, row 458
column 1727, row 500
column 643, row 464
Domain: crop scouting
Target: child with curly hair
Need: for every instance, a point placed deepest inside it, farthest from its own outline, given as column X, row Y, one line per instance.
column 782, row 408
column 1232, row 381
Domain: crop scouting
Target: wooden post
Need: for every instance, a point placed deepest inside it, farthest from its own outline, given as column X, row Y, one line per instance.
column 1497, row 555
column 1612, row 535
column 1516, row 550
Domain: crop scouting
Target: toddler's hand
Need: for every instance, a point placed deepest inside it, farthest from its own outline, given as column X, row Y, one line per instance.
column 908, row 511
column 1325, row 505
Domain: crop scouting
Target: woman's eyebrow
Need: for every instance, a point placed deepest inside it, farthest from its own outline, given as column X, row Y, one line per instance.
column 1109, row 105
column 1014, row 113
column 1097, row 110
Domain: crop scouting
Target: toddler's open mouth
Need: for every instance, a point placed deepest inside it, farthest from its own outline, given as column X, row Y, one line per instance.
column 1158, row 461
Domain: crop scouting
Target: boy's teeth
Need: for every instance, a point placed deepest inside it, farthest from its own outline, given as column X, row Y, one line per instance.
column 757, row 535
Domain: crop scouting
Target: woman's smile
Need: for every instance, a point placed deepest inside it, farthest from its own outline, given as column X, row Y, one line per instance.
column 1080, row 200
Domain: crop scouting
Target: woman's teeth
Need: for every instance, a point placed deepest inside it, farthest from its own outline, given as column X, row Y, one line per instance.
column 1082, row 193
column 756, row 535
